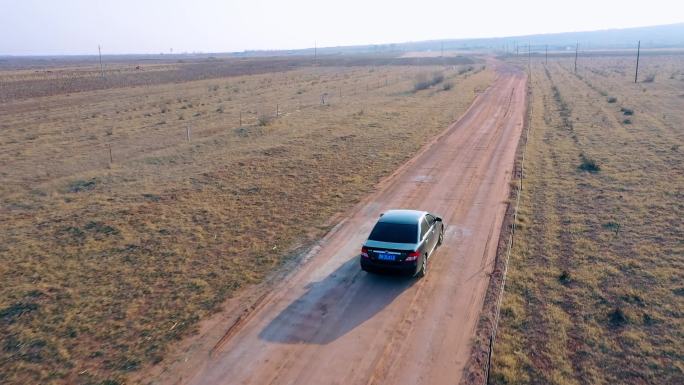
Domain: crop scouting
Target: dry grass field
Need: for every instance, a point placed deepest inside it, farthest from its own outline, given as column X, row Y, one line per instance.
column 27, row 77
column 595, row 289
column 104, row 264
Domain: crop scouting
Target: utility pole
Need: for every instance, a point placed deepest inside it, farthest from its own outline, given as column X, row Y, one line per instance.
column 546, row 57
column 636, row 72
column 576, row 49
column 99, row 51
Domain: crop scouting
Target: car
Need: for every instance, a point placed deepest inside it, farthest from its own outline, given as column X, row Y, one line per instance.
column 402, row 241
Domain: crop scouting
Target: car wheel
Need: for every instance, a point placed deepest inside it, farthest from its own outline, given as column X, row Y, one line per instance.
column 441, row 237
column 423, row 268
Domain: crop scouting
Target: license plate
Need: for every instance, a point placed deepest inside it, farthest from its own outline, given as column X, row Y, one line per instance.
column 385, row 257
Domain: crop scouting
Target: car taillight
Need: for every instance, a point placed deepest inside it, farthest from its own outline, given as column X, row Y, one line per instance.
column 364, row 252
column 412, row 256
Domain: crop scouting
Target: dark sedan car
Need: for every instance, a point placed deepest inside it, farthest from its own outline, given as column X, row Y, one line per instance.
column 402, row 241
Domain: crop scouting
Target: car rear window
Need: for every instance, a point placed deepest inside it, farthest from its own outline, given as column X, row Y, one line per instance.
column 394, row 232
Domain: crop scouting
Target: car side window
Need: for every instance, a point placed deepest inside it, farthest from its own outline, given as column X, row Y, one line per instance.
column 424, row 227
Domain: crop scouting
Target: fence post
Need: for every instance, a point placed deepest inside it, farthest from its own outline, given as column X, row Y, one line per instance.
column 489, row 357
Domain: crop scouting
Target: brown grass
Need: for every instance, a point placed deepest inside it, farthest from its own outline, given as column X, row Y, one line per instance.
column 104, row 265
column 595, row 285
column 26, row 77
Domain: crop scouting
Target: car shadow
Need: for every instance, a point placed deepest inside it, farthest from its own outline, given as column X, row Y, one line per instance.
column 337, row 304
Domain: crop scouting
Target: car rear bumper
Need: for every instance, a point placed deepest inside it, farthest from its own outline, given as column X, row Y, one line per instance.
column 403, row 268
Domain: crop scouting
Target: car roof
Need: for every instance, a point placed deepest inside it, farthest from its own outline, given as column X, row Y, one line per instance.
column 402, row 216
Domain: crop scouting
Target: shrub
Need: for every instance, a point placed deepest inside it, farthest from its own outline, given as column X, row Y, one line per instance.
column 10, row 313
column 264, row 120
column 613, row 226
column 612, row 99
column 648, row 320
column 627, row 111
column 589, row 165
column 627, row 121
column 422, row 82
column 617, row 317
column 464, row 70
column 447, row 86
column 437, row 78
column 564, row 277
column 649, row 78
column 82, row 185
column 101, row 228
column 419, row 86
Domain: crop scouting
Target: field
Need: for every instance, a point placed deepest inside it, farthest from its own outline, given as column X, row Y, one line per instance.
column 132, row 210
column 595, row 287
column 27, row 77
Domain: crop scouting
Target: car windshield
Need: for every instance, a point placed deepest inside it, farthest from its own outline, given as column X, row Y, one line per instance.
column 394, row 232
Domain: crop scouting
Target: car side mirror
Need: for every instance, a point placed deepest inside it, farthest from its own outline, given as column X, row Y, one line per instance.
column 438, row 219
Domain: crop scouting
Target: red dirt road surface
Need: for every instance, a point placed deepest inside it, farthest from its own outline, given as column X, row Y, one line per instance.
column 331, row 323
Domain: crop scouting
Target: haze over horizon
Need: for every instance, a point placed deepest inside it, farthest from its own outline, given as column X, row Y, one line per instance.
column 75, row 27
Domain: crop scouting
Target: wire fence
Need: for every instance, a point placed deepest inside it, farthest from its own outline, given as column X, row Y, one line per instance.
column 511, row 237
column 191, row 124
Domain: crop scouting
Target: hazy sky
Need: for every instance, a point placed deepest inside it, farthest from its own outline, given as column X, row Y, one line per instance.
column 153, row 26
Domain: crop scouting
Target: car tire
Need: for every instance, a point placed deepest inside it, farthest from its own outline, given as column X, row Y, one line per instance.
column 423, row 268
column 441, row 237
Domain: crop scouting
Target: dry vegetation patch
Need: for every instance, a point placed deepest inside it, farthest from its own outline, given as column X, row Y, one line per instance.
column 594, row 292
column 27, row 77
column 105, row 263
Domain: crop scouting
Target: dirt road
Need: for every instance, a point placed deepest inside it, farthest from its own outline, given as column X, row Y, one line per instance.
column 331, row 323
